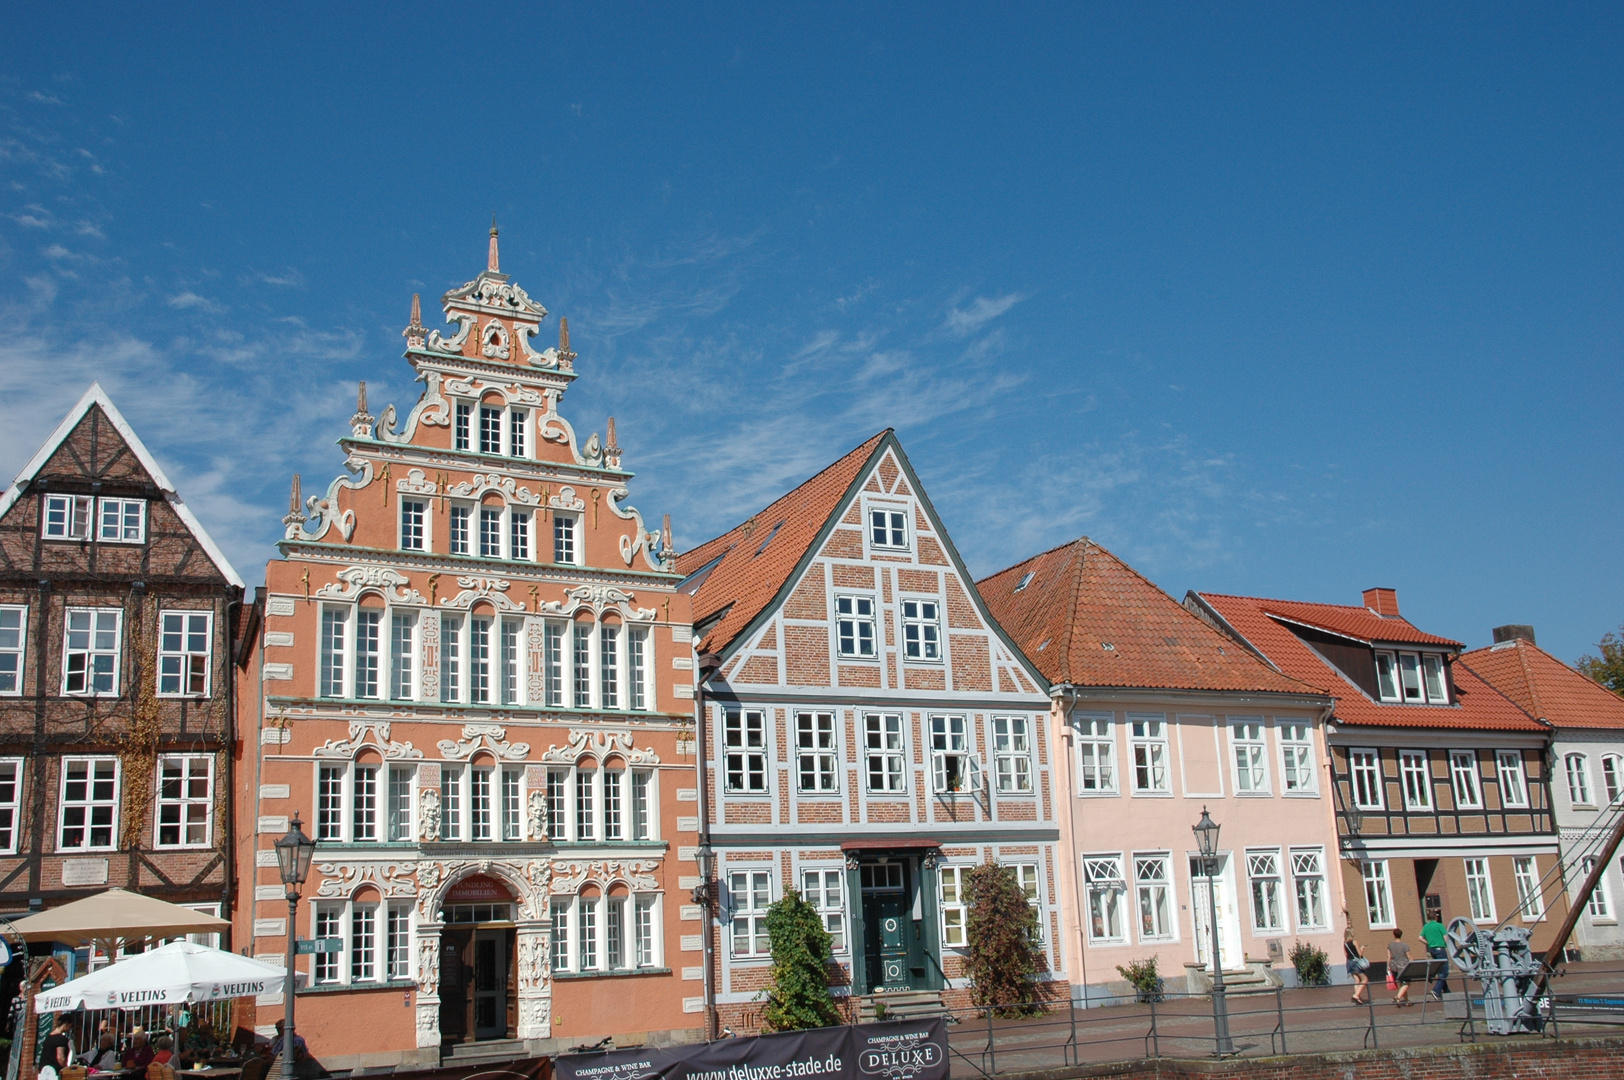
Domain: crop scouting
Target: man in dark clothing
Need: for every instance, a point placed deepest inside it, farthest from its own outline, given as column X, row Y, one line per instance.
column 56, row 1047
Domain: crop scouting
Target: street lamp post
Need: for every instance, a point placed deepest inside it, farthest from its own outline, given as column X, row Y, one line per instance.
column 293, row 854
column 1206, row 838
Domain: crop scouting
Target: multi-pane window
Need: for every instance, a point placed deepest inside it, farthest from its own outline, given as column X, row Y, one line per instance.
column 558, row 785
column 1103, row 881
column 552, row 661
column 1026, row 876
column 751, row 891
column 586, row 815
column 952, row 758
column 642, row 806
column 518, row 422
column 564, row 547
column 490, row 430
column 609, row 666
column 1308, row 880
column 1530, row 901
column 511, row 661
column 479, row 660
column 637, row 650
column 368, row 622
column 1378, row 894
column 1012, row 753
column 89, row 804
column 13, row 646
column 744, row 751
column 462, row 436
column 1148, row 736
column 451, row 658
column 1612, row 777
column 1096, row 754
column 1268, row 909
column 1578, row 770
column 561, row 935
column 399, row 804
column 519, row 534
column 882, row 751
column 954, row 912
column 643, row 930
column 854, row 625
column 604, row 933
column 1513, row 785
column 1297, row 756
column 414, row 515
column 1152, row 882
column 1463, row 773
column 490, row 532
column 67, row 517
column 481, row 804
column 183, row 653
column 1251, row 756
column 815, row 751
column 334, row 632
column 460, row 518
column 185, row 801
column 1366, row 769
column 826, row 891
column 90, row 655
column 329, row 924
column 330, row 802
column 1479, row 892
column 1600, row 905
column 512, row 818
column 921, row 630
column 582, row 633
column 11, row 792
column 888, row 528
column 614, row 933
column 364, row 803
column 451, row 802
column 586, row 935
column 398, row 943
column 402, row 650
column 1415, row 775
column 364, row 943
column 122, row 521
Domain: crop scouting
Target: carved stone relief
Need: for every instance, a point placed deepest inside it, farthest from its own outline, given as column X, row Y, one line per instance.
column 538, row 815
column 359, row 732
column 570, row 874
column 322, row 511
column 600, row 744
column 428, row 816
column 355, row 578
column 599, row 598
column 341, row 879
column 507, row 486
column 476, row 736
column 494, row 341
column 481, row 588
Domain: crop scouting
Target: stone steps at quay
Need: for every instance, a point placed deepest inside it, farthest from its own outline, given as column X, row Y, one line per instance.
column 901, row 1005
column 1246, row 981
column 483, row 1052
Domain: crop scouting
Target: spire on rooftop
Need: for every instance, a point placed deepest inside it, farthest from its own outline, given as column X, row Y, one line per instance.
column 493, row 264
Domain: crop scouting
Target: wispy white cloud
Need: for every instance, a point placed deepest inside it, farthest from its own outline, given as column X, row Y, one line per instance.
column 290, row 278
column 188, row 300
column 43, row 98
column 963, row 321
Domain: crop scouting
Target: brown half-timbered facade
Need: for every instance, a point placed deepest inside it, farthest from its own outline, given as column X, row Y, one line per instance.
column 116, row 681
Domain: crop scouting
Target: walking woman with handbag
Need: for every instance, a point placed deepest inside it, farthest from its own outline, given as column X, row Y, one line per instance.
column 1357, row 967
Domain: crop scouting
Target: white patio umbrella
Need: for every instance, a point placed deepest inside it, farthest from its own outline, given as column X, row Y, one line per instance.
column 115, row 916
column 168, row 975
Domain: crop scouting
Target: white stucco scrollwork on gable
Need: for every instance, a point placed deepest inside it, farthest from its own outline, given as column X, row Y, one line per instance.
column 482, row 588
column 637, row 874
column 494, row 341
column 392, row 583
column 452, row 346
column 322, row 512
column 599, row 598
column 492, row 737
column 341, row 879
column 360, row 731
column 506, row 486
column 566, row 499
column 600, row 744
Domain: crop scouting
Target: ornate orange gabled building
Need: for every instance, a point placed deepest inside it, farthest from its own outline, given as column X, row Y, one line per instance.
column 474, row 683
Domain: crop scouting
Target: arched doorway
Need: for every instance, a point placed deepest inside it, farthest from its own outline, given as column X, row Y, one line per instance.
column 478, row 995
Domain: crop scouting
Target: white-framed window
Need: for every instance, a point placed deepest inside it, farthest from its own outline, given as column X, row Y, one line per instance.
column 398, row 804
column 581, row 663
column 1463, row 774
column 888, row 529
column 519, row 535
column 1297, row 757
column 11, row 802
column 1530, row 901
column 1479, row 891
column 518, row 425
column 744, row 751
column 854, row 626
column 330, row 802
column 1432, row 679
column 605, row 933
column 362, row 802
column 1027, row 877
column 826, row 891
column 1513, row 784
column 586, row 803
column 1308, row 882
column 883, row 751
column 89, row 804
column 751, row 893
column 93, row 642
column 608, row 666
column 68, row 517
column 1147, row 736
column 13, row 647
column 561, row 934
column 397, row 956
column 363, row 943
column 1268, row 901
column 185, row 640
column 638, row 649
column 490, row 532
column 481, row 803
column 328, row 923
column 490, row 430
column 461, row 529
column 954, row 913
column 368, row 646
column 1415, row 776
column 1409, row 676
column 1387, row 677
column 1378, row 894
column 1612, row 777
column 1365, row 768
column 185, row 801
column 402, row 655
column 1251, row 756
column 952, row 755
column 335, row 623
column 1600, row 905
column 1106, row 888
column 479, row 659
column 414, row 518
column 462, row 432
column 1012, row 754
column 1578, row 770
column 121, row 521
column 565, row 548
column 815, row 752
column 921, row 630
column 510, row 662
column 1153, row 886
column 1096, row 754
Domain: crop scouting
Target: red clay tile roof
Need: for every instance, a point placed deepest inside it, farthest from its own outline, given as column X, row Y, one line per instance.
column 1478, row 705
column 1081, row 598
column 1355, row 622
column 746, row 579
column 1546, row 687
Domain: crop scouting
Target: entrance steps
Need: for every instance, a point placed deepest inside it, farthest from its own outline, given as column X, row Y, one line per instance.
column 900, row 1005
column 1247, row 981
column 483, row 1052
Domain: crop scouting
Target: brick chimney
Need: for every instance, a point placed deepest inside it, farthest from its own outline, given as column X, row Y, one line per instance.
column 1382, row 601
column 1514, row 632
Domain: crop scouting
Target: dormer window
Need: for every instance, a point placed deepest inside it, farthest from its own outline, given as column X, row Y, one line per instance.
column 1414, row 678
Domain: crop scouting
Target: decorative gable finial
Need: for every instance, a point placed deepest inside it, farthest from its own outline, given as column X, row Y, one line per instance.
column 566, row 359
column 295, row 514
column 361, row 422
column 415, row 332
column 611, row 449
column 493, row 264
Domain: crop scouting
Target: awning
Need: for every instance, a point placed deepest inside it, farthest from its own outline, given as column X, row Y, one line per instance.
column 177, row 972
column 901, row 843
column 116, row 915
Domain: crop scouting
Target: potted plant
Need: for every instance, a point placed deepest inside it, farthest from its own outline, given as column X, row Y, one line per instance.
column 1141, row 974
column 1313, row 966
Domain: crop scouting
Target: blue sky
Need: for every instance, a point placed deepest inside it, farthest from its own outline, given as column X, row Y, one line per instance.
column 1284, row 300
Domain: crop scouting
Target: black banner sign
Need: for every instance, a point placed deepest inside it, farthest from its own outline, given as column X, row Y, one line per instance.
column 895, row 1050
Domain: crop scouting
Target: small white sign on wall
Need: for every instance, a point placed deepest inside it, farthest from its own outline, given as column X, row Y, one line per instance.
column 84, row 872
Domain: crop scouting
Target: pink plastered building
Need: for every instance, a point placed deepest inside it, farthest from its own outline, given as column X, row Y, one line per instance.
column 1156, row 716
